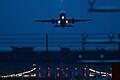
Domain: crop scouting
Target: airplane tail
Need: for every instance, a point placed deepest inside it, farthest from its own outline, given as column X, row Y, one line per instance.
column 63, row 11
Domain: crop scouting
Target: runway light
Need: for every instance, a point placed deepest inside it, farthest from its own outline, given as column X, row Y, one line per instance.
column 76, row 68
column 48, row 68
column 34, row 64
column 58, row 68
column 33, row 75
column 39, row 68
column 85, row 69
column 92, row 70
column 98, row 72
column 76, row 75
column 110, row 75
column 26, row 76
column 67, row 68
column 66, row 75
column 48, row 74
column 19, row 74
column 58, row 74
column 103, row 75
column 85, row 74
column 39, row 75
column 91, row 75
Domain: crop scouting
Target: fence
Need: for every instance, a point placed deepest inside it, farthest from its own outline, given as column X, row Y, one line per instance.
column 77, row 41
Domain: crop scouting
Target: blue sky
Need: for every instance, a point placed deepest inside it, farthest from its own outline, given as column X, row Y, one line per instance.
column 16, row 16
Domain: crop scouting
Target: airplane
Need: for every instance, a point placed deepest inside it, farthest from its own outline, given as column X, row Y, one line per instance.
column 63, row 21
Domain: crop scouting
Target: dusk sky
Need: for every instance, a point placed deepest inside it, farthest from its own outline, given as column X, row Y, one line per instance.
column 16, row 16
column 23, row 41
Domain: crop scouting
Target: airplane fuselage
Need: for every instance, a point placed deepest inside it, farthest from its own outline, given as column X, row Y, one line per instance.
column 62, row 21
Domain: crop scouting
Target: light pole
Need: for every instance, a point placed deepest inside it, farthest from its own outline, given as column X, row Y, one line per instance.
column 92, row 3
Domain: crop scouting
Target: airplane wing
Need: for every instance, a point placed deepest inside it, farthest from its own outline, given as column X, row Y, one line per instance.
column 42, row 20
column 81, row 20
column 78, row 20
column 52, row 21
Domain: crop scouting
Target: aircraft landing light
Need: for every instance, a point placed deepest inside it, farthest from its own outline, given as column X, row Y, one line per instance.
column 66, row 21
column 59, row 22
column 63, row 17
